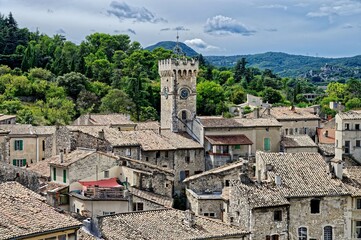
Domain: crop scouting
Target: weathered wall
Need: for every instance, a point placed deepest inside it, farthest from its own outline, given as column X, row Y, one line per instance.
column 124, row 151
column 308, row 127
column 159, row 158
column 148, row 205
column 80, row 139
column 196, row 163
column 90, row 165
column 332, row 210
column 301, row 149
column 27, row 178
column 204, row 207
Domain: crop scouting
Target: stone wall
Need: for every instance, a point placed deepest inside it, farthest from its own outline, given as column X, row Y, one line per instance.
column 11, row 173
column 80, row 139
column 157, row 183
column 332, row 210
column 159, row 158
column 90, row 165
column 194, row 163
column 147, row 205
column 63, row 140
column 127, row 151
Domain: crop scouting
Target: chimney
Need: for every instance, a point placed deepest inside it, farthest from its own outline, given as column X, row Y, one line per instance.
column 160, row 131
column 101, row 134
column 61, row 156
column 189, row 218
column 338, row 168
column 256, row 113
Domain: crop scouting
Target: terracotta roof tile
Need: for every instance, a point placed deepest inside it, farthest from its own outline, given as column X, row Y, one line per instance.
column 298, row 141
column 299, row 175
column 24, row 212
column 350, row 115
column 240, row 139
column 180, row 140
column 163, row 224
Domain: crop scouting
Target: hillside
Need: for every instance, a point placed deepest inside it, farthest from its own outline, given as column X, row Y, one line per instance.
column 288, row 65
column 169, row 45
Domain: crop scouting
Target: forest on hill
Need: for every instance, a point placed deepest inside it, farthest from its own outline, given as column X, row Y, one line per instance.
column 48, row 80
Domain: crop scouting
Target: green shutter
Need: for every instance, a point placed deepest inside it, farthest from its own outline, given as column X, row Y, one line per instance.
column 267, row 144
column 54, row 174
column 21, row 144
column 64, row 176
column 24, row 162
column 14, row 162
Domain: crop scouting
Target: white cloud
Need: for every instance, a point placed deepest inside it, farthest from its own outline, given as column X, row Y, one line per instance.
column 284, row 7
column 221, row 25
column 199, row 43
column 337, row 8
column 123, row 11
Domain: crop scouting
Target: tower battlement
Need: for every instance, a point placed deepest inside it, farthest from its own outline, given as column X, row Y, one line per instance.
column 177, row 64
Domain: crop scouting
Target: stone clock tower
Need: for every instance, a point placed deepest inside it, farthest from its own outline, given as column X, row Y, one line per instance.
column 178, row 78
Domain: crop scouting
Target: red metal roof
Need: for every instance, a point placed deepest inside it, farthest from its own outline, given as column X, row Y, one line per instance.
column 111, row 182
column 240, row 139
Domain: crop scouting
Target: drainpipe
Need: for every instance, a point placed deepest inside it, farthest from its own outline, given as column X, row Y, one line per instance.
column 37, row 148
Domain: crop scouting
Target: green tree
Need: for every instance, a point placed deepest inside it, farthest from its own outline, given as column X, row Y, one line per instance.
column 271, row 95
column 116, row 101
column 210, row 98
column 73, row 83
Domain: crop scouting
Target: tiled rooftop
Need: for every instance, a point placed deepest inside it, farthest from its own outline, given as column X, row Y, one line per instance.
column 215, row 121
column 212, row 122
column 299, row 175
column 153, row 197
column 352, row 179
column 151, row 125
column 223, row 168
column 298, row 141
column 180, row 140
column 327, row 149
column 24, row 212
column 350, row 115
column 103, row 119
column 5, row 117
column 42, row 167
column 240, row 139
column 262, row 195
column 163, row 224
column 27, row 129
column 74, row 156
column 286, row 113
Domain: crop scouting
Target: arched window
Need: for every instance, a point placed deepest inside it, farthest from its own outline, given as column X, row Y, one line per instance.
column 327, row 233
column 302, row 233
column 184, row 115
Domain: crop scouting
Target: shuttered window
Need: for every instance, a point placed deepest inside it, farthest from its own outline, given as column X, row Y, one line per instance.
column 267, row 144
column 54, row 174
column 18, row 145
column 64, row 176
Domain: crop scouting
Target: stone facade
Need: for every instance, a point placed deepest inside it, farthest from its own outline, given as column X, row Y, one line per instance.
column 178, row 92
column 20, row 175
column 348, row 135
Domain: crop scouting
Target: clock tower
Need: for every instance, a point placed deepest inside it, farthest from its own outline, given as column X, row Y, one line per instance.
column 178, row 78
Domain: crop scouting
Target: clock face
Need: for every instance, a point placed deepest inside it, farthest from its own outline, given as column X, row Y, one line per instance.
column 184, row 93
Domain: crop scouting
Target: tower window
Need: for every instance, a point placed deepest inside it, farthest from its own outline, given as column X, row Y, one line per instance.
column 315, row 205
column 184, row 115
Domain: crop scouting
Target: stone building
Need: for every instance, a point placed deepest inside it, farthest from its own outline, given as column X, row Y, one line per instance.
column 299, row 188
column 165, row 224
column 208, row 192
column 25, row 215
column 348, row 135
column 252, row 135
column 23, row 144
column 298, row 143
column 294, row 120
column 7, row 119
column 114, row 120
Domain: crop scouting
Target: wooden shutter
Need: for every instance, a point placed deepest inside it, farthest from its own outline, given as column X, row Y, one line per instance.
column 24, row 162
column 267, row 144
column 14, row 162
column 21, row 144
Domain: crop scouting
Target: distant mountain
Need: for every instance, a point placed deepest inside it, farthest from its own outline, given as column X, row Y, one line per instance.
column 288, row 65
column 317, row 69
column 170, row 46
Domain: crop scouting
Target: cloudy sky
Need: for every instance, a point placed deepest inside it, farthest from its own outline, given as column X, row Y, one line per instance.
column 325, row 28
